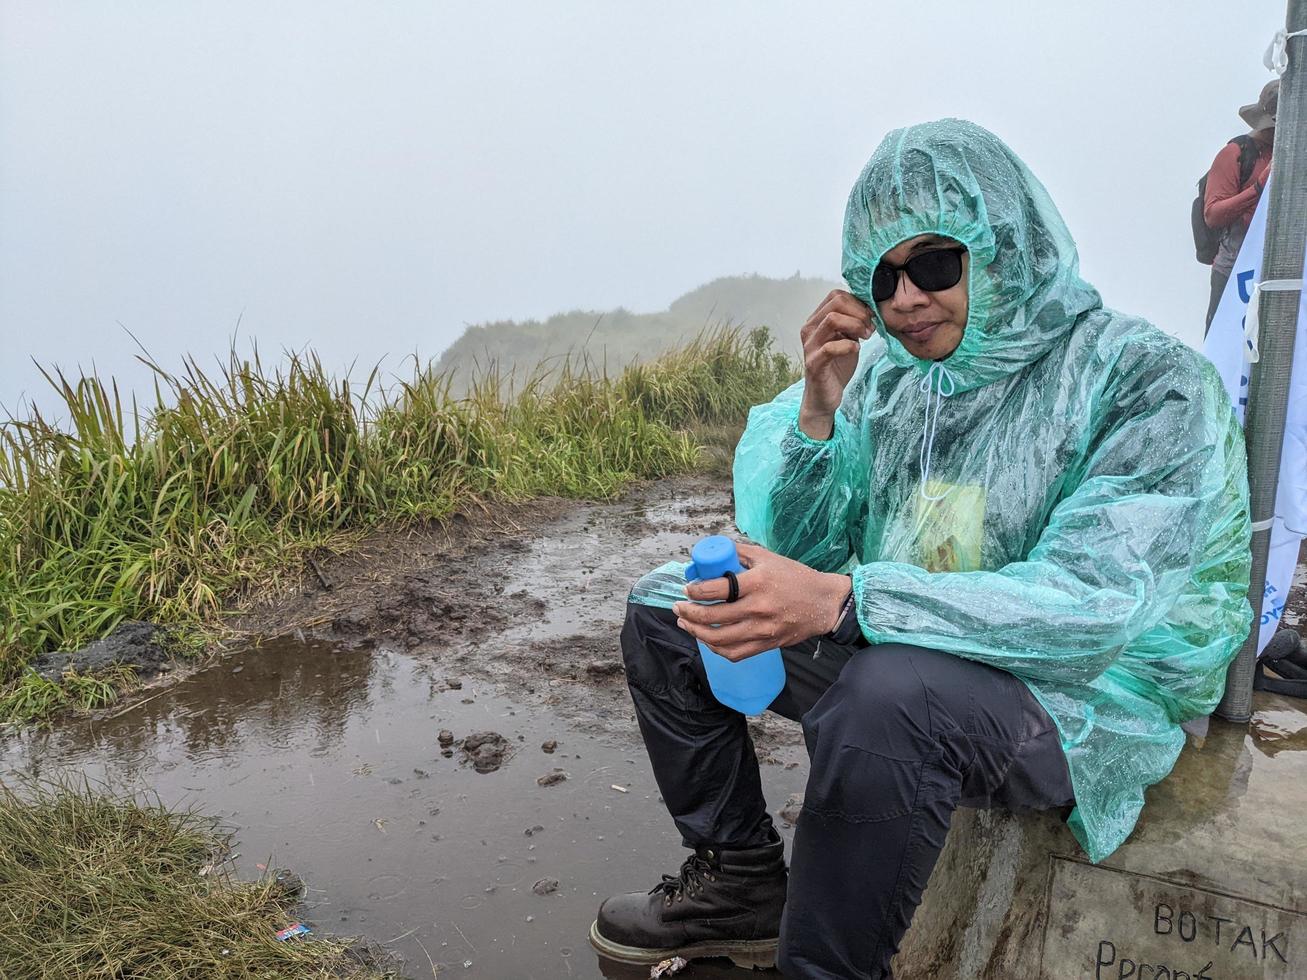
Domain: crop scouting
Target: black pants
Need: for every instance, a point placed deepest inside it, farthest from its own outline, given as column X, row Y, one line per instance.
column 898, row 736
column 1219, row 279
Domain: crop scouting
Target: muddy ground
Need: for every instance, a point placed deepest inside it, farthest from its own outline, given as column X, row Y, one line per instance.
column 528, row 597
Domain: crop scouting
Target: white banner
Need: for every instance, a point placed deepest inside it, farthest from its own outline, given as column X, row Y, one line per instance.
column 1228, row 347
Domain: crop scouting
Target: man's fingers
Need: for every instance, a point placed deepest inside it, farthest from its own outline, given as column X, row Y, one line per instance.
column 841, row 303
column 738, row 651
column 835, row 325
column 709, row 590
column 721, row 612
column 719, row 589
column 826, row 353
column 730, row 640
column 743, row 651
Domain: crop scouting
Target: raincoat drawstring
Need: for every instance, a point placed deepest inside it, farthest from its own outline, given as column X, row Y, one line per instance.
column 938, row 382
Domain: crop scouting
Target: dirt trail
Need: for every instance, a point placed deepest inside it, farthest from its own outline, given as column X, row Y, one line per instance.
column 528, row 597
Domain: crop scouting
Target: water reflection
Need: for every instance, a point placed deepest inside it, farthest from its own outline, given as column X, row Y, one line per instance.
column 277, row 697
column 1279, row 729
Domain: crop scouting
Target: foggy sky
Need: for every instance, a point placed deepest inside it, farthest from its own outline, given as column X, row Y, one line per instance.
column 368, row 178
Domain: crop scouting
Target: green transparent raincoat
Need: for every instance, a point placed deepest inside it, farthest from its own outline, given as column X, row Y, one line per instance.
column 1064, row 497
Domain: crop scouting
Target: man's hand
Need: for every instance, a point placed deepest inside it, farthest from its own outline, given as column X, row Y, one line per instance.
column 782, row 602
column 831, row 338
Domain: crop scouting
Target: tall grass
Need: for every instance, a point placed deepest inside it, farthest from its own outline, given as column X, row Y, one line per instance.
column 170, row 512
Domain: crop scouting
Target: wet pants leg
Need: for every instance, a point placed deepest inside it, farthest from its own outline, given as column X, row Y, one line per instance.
column 898, row 736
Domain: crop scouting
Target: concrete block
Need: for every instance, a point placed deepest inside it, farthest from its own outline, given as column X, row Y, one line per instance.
column 1212, row 883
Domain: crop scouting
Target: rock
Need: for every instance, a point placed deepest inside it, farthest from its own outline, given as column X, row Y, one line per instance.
column 550, row 778
column 453, row 684
column 445, row 738
column 549, row 745
column 132, row 644
column 792, row 809
column 668, row 967
column 485, row 750
column 533, row 830
column 545, row 886
column 487, row 758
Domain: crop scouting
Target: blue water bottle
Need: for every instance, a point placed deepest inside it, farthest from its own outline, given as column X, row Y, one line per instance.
column 748, row 685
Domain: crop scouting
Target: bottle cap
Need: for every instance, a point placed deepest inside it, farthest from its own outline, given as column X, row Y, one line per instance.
column 712, row 557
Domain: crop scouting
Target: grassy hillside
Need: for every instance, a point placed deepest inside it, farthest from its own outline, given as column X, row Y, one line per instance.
column 615, row 338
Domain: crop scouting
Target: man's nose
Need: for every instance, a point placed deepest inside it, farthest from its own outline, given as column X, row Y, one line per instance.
column 908, row 296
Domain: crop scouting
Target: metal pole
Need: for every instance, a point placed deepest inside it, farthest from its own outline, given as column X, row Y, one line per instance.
column 1268, row 388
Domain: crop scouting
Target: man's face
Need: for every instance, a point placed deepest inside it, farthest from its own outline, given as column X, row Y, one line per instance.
column 929, row 325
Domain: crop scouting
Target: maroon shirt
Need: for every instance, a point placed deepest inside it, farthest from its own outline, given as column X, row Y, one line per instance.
column 1229, row 206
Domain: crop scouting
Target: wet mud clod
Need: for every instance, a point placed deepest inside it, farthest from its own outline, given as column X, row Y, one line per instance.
column 550, row 778
column 485, row 750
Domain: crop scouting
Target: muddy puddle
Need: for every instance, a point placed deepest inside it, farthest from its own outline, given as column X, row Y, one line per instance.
column 328, row 760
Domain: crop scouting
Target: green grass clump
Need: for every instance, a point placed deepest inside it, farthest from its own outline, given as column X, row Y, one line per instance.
column 172, row 512
column 32, row 696
column 101, row 888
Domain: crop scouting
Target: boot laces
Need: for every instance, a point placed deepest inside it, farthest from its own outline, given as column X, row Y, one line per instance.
column 690, row 881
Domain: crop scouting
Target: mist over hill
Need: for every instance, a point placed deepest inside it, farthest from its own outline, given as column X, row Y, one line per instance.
column 614, row 338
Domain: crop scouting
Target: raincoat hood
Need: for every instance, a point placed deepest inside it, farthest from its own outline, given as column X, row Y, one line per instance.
column 956, row 179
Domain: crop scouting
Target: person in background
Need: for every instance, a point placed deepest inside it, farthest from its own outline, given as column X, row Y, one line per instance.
column 1229, row 202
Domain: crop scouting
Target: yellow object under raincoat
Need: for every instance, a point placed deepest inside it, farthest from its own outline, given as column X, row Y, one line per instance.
column 1063, row 497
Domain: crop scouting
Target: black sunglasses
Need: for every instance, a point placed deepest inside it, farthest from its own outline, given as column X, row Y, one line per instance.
column 940, row 268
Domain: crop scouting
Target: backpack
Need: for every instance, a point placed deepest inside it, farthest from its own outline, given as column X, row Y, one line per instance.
column 1207, row 240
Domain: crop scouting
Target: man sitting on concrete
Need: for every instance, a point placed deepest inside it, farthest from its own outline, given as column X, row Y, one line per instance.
column 1003, row 545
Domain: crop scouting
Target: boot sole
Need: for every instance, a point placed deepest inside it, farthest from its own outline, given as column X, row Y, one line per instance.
column 756, row 954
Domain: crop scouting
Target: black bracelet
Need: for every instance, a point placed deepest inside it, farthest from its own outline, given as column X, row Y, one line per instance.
column 846, row 632
column 844, row 613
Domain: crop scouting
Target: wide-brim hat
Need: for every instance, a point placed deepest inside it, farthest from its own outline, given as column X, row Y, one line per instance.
column 1261, row 114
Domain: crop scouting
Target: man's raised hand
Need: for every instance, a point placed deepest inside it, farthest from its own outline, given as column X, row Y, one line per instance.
column 831, row 338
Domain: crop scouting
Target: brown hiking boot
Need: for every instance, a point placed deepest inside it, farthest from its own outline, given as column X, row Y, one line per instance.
column 723, row 903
